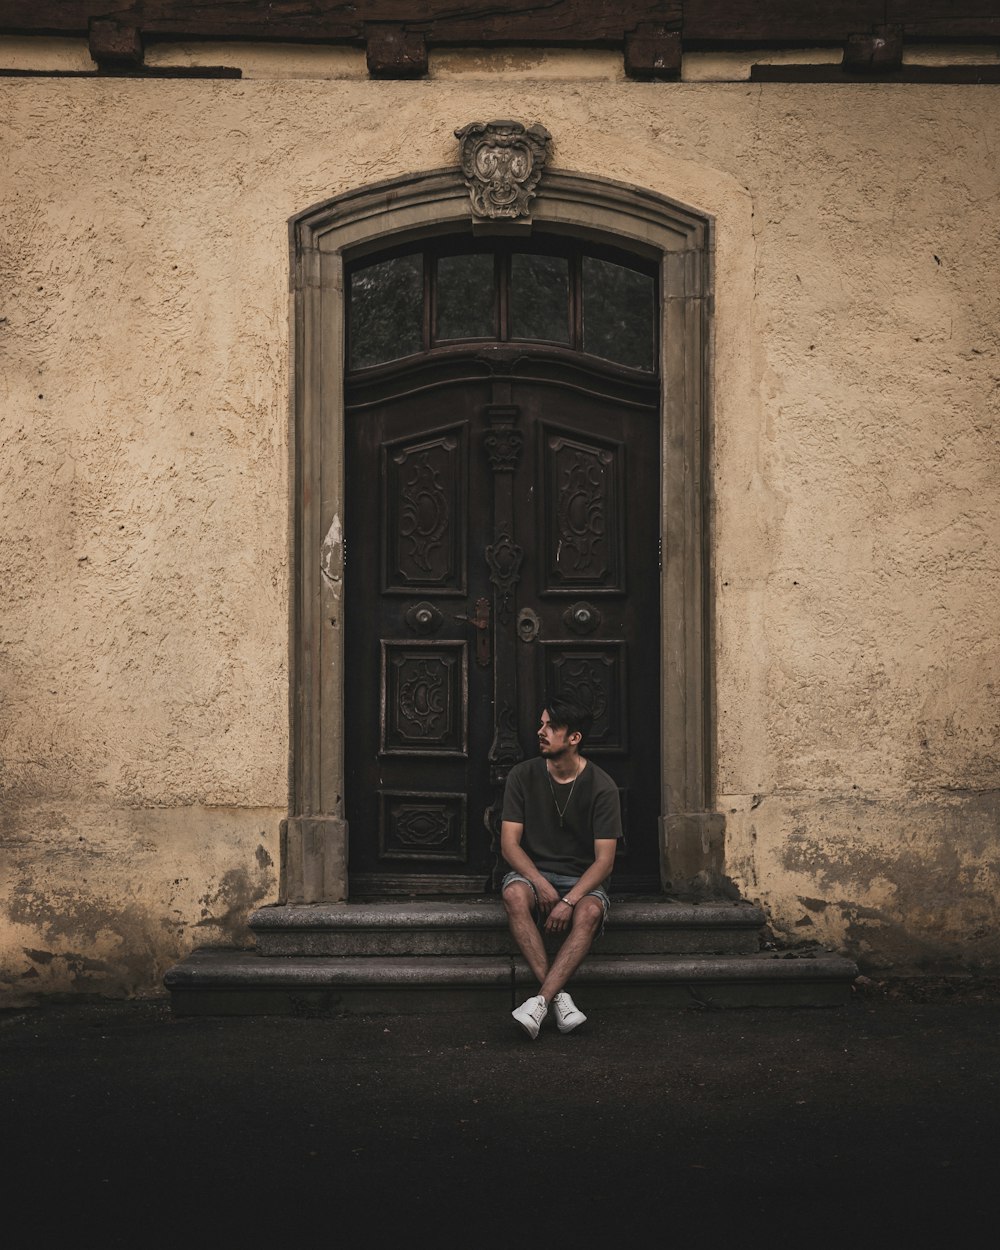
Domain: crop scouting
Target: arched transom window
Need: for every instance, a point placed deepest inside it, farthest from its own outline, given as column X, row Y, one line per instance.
column 602, row 303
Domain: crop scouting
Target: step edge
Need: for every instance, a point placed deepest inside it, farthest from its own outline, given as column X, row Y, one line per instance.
column 298, row 918
column 243, row 967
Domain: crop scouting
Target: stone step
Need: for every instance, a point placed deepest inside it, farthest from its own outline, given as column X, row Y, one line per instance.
column 479, row 927
column 221, row 981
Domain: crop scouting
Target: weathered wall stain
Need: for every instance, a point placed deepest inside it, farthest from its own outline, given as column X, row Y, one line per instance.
column 74, row 928
column 39, row 957
column 921, row 898
column 230, row 903
column 108, row 913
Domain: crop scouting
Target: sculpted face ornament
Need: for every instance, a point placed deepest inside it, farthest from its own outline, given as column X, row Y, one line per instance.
column 502, row 162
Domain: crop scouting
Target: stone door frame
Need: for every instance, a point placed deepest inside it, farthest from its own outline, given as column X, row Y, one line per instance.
column 314, row 837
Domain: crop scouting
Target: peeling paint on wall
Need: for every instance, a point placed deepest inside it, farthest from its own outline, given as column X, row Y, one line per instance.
column 108, row 914
column 923, row 898
column 331, row 559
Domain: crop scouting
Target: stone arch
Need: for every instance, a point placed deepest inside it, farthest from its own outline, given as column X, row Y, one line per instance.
column 323, row 238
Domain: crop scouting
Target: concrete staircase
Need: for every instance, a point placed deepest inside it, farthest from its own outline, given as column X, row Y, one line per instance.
column 457, row 956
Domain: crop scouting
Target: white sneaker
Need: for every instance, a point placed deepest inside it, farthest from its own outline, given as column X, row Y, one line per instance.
column 568, row 1014
column 530, row 1014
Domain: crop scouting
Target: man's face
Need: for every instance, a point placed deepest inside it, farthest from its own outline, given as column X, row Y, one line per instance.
column 552, row 742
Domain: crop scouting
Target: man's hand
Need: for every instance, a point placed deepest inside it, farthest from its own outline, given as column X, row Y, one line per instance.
column 560, row 917
column 548, row 896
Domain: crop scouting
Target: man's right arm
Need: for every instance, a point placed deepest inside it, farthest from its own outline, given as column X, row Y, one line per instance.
column 511, row 834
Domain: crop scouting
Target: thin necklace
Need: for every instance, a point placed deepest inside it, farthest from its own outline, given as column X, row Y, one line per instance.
column 562, row 810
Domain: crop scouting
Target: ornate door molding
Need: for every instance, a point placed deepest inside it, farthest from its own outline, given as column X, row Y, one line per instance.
column 314, row 842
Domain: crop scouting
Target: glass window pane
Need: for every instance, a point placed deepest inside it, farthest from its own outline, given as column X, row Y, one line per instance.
column 619, row 309
column 465, row 297
column 539, row 297
column 387, row 310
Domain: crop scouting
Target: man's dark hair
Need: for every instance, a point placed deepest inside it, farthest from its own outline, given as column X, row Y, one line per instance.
column 565, row 714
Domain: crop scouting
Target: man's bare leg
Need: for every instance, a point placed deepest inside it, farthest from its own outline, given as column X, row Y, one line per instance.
column 587, row 917
column 519, row 900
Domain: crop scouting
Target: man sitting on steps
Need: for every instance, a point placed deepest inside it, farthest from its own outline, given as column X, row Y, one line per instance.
column 561, row 823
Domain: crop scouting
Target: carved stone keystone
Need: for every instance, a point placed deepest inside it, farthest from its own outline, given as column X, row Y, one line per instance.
column 502, row 162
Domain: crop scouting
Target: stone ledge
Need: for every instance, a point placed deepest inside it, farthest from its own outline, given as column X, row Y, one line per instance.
column 636, row 926
column 212, row 964
column 238, row 982
column 489, row 914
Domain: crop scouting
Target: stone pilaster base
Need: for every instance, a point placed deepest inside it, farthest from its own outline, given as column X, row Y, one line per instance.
column 695, row 855
column 313, row 860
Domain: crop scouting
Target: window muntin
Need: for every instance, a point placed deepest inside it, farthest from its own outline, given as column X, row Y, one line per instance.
column 600, row 303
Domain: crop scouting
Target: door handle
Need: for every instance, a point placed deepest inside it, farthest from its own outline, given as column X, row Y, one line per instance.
column 481, row 623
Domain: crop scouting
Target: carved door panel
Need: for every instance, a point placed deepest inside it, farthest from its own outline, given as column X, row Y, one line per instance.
column 418, row 687
column 501, row 541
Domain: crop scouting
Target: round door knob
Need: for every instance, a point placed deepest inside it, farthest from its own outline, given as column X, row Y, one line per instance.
column 423, row 618
column 582, row 618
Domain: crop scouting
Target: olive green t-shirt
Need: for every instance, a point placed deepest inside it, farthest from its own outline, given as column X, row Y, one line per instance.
column 592, row 811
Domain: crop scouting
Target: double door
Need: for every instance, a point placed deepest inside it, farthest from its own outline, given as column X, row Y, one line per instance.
column 502, row 547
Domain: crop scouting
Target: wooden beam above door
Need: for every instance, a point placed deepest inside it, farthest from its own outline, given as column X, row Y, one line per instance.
column 397, row 34
column 580, row 23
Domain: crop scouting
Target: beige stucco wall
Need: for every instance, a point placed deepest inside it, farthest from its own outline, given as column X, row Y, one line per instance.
column 144, row 393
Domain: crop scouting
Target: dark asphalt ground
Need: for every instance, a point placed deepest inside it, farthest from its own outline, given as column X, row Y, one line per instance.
column 874, row 1124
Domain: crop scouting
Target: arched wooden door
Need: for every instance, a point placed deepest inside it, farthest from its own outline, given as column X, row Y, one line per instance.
column 502, row 544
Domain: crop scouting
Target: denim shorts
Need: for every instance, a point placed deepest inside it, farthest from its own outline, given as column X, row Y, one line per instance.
column 563, row 884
